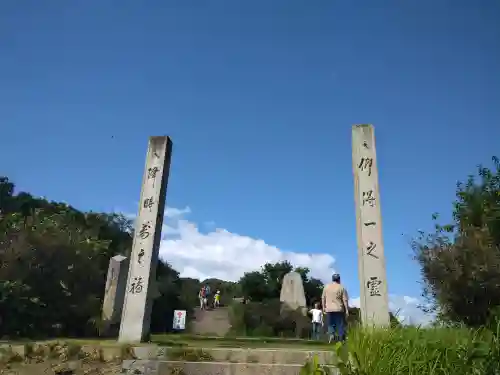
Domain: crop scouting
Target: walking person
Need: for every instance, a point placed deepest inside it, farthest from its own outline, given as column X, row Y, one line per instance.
column 316, row 321
column 336, row 307
column 217, row 299
column 207, row 296
column 203, row 298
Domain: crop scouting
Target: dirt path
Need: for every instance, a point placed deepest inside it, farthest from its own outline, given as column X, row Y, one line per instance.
column 211, row 322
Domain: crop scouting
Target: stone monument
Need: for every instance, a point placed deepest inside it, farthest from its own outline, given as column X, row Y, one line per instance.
column 114, row 295
column 140, row 288
column 371, row 261
column 293, row 298
column 292, row 291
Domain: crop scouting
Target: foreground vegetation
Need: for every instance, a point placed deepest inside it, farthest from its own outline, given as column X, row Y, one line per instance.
column 410, row 350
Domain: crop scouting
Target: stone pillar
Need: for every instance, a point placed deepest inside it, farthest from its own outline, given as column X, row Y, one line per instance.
column 141, row 283
column 114, row 295
column 371, row 260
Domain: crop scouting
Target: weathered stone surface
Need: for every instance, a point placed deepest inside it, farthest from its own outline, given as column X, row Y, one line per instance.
column 148, row 352
column 140, row 287
column 151, row 359
column 141, row 367
column 114, row 295
column 12, row 352
column 92, row 352
column 112, row 353
column 371, row 260
column 228, row 368
column 292, row 291
column 252, row 355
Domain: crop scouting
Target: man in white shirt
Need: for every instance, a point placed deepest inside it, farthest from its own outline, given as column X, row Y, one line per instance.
column 317, row 321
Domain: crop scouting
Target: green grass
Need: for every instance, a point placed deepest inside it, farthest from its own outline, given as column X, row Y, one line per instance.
column 434, row 351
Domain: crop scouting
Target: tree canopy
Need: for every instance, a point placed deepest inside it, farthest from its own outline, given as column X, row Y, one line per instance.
column 259, row 286
column 54, row 260
column 460, row 261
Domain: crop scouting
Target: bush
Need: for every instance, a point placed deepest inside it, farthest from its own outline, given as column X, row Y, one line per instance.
column 267, row 319
column 460, row 261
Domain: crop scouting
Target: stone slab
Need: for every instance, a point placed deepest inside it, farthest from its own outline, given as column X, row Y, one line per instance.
column 149, row 367
column 148, row 352
column 105, row 353
column 292, row 291
column 234, row 355
column 141, row 367
column 8, row 351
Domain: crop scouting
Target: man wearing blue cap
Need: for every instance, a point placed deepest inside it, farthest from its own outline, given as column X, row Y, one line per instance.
column 336, row 307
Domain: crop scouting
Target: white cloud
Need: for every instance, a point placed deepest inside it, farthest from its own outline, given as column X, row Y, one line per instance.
column 172, row 212
column 405, row 308
column 411, row 300
column 227, row 256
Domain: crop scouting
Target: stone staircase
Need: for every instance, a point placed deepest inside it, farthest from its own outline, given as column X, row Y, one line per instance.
column 194, row 356
column 201, row 360
column 225, row 361
column 213, row 322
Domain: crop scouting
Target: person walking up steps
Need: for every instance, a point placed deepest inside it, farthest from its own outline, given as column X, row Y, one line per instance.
column 203, row 298
column 336, row 307
column 217, row 299
column 208, row 292
column 316, row 321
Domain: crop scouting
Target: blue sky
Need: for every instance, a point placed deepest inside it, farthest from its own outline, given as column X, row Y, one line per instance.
column 259, row 98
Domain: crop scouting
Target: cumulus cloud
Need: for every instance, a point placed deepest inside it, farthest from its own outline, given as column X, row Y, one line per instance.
column 225, row 255
column 218, row 253
column 172, row 212
column 405, row 308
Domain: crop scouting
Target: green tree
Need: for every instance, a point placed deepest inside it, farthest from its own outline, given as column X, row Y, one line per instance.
column 460, row 262
column 169, row 299
column 254, row 286
column 53, row 266
column 266, row 284
column 273, row 274
column 6, row 193
column 52, row 280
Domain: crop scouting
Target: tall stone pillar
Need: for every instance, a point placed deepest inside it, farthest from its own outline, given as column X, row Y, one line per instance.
column 141, row 285
column 371, row 260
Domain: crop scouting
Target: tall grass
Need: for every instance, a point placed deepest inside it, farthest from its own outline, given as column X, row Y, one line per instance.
column 418, row 351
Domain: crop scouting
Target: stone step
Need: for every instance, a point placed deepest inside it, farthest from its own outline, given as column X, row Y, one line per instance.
column 158, row 367
column 234, row 355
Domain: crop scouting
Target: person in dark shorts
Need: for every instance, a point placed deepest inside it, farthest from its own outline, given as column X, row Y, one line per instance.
column 336, row 307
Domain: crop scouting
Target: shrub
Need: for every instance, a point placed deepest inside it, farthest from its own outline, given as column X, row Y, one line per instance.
column 460, row 261
column 267, row 319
